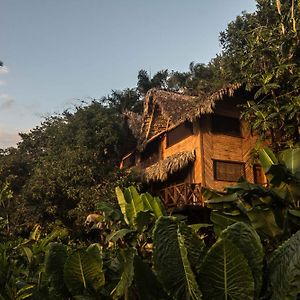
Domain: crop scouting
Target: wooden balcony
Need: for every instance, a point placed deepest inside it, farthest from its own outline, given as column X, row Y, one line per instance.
column 181, row 195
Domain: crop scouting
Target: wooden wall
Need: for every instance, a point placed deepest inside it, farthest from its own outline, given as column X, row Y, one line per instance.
column 210, row 146
column 191, row 143
column 227, row 148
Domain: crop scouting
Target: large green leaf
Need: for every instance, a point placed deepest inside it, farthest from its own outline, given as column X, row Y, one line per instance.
column 263, row 220
column 222, row 221
column 129, row 209
column 267, row 158
column 291, row 159
column 135, row 200
column 284, row 269
column 130, row 203
column 245, row 238
column 195, row 246
column 171, row 258
column 96, row 252
column 149, row 288
column 192, row 286
column 153, row 204
column 127, row 274
column 122, row 203
column 54, row 270
column 82, row 271
column 225, row 273
column 142, row 220
column 221, row 199
column 116, row 235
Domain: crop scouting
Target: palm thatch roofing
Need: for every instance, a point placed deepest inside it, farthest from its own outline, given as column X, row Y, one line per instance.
column 161, row 170
column 164, row 110
column 135, row 122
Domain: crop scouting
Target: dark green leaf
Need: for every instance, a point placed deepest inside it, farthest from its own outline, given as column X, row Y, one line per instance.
column 225, row 273
column 127, row 274
column 149, row 287
column 82, row 271
column 247, row 240
column 172, row 260
column 284, row 269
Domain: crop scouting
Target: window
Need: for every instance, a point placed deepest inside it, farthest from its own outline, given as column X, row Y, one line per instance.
column 226, row 125
column 228, row 170
column 179, row 133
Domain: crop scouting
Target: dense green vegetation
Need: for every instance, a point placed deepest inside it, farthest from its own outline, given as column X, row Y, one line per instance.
column 67, row 167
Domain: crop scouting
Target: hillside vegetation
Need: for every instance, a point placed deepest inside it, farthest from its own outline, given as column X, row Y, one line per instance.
column 68, row 167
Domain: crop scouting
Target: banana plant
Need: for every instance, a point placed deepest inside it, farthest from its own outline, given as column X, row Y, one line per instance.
column 140, row 211
column 133, row 205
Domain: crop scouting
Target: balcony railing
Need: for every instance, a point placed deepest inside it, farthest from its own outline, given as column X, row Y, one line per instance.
column 182, row 194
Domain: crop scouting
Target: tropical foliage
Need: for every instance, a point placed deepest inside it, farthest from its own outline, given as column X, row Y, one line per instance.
column 273, row 211
column 178, row 266
column 68, row 166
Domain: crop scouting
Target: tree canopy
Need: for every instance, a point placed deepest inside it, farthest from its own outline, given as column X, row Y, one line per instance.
column 69, row 162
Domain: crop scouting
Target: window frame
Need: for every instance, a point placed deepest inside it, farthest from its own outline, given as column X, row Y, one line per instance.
column 242, row 164
column 216, row 130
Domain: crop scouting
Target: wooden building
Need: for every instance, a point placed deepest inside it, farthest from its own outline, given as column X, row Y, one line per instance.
column 187, row 142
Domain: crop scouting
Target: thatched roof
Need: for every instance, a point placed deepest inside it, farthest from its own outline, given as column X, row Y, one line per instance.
column 134, row 121
column 164, row 109
column 161, row 170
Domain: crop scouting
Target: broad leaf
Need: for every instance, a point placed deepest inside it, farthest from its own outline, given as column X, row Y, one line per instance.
column 136, row 201
column 119, row 234
column 221, row 199
column 127, row 274
column 143, row 220
column 295, row 212
column 82, row 271
column 54, row 270
column 96, row 252
column 291, row 159
column 171, row 258
column 267, row 158
column 245, row 238
column 153, row 204
column 192, row 286
column 263, row 220
column 222, row 221
column 284, row 269
column 209, row 193
column 28, row 253
column 225, row 273
column 149, row 288
column 122, row 203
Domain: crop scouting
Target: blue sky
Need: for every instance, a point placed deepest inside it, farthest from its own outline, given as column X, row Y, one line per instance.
column 57, row 52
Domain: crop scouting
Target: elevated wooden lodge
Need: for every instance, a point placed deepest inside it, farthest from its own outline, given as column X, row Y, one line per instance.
column 185, row 143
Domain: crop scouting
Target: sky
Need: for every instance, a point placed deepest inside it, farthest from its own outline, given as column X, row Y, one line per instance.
column 59, row 52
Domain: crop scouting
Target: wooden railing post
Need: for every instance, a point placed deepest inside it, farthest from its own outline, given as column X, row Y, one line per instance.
column 182, row 194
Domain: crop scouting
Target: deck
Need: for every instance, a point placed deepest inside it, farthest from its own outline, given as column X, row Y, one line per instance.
column 182, row 194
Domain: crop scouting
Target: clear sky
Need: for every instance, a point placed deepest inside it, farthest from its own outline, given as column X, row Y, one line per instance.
column 56, row 52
